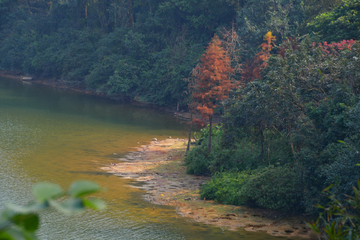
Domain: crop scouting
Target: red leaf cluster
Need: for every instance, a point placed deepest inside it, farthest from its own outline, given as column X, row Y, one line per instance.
column 333, row 47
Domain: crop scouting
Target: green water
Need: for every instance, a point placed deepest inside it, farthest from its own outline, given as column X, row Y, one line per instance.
column 48, row 134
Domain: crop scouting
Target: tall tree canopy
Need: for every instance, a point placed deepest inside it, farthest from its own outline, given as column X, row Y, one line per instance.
column 212, row 80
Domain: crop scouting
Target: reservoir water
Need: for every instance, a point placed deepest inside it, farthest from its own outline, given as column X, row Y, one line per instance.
column 54, row 135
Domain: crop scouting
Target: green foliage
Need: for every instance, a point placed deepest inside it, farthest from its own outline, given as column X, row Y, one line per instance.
column 342, row 170
column 272, row 188
column 204, row 15
column 241, row 154
column 340, row 23
column 226, row 188
column 139, row 50
column 340, row 219
column 293, row 118
column 302, row 118
column 17, row 223
column 311, row 107
column 83, row 187
column 203, row 135
column 198, row 160
column 45, row 191
column 256, row 18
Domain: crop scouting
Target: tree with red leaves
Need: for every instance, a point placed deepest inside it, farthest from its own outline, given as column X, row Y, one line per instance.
column 212, row 82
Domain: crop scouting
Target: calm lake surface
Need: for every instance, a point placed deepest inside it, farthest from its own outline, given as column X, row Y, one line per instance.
column 48, row 134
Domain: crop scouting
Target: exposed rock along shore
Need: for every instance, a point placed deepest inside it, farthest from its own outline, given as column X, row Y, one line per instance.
column 160, row 166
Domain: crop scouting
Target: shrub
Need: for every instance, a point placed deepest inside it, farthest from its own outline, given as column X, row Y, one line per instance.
column 340, row 219
column 340, row 23
column 198, row 161
column 273, row 188
column 342, row 170
column 226, row 188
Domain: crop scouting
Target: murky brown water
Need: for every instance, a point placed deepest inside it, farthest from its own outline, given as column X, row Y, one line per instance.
column 54, row 135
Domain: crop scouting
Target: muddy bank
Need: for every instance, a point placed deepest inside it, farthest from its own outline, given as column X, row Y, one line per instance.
column 159, row 166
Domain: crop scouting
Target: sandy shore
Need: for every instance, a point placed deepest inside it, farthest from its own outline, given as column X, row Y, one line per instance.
column 160, row 166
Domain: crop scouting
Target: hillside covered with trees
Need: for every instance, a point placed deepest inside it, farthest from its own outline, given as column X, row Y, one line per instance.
column 143, row 49
column 283, row 74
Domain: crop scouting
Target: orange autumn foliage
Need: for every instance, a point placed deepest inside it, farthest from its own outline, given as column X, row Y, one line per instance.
column 212, row 78
column 251, row 69
column 266, row 47
column 211, row 81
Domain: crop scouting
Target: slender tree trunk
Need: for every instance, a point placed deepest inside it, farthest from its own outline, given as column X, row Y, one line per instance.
column 86, row 15
column 131, row 18
column 210, row 131
column 189, row 140
column 262, row 141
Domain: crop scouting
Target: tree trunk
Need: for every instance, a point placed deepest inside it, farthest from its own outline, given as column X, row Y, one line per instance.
column 131, row 18
column 189, row 140
column 262, row 141
column 86, row 15
column 210, row 131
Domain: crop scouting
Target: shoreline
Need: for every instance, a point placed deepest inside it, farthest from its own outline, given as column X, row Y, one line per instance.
column 68, row 85
column 78, row 87
column 159, row 166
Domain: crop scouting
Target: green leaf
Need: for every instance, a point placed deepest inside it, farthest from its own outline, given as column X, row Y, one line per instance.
column 313, row 227
column 15, row 234
column 70, row 206
column 11, row 234
column 30, row 222
column 83, row 187
column 94, row 203
column 7, row 214
column 45, row 191
column 319, row 206
column 27, row 209
column 4, row 222
column 327, row 188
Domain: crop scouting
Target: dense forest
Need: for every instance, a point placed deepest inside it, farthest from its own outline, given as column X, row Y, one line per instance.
column 143, row 49
column 291, row 112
